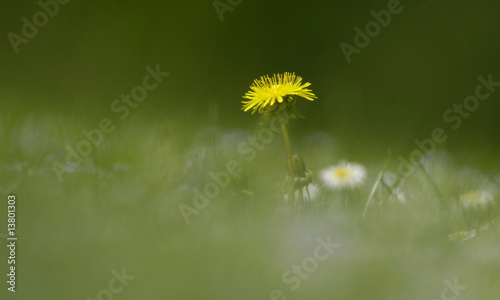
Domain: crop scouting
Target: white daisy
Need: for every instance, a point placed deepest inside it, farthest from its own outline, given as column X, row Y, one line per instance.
column 344, row 175
column 476, row 199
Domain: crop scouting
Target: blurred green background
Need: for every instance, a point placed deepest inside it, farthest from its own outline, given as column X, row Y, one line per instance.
column 65, row 78
column 395, row 90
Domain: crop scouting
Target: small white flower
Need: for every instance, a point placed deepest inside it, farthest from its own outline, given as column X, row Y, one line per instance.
column 462, row 235
column 344, row 175
column 311, row 188
column 476, row 199
column 313, row 191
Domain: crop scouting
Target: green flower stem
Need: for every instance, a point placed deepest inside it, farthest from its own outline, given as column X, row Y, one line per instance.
column 289, row 157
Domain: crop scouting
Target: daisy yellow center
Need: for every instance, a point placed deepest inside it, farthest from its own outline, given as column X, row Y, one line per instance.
column 342, row 173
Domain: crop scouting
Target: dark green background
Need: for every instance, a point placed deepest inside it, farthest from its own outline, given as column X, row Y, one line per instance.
column 394, row 91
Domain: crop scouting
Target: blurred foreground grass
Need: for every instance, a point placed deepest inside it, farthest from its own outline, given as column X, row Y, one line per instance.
column 119, row 208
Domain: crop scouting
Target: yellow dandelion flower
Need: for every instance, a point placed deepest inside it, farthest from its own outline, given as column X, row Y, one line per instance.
column 267, row 91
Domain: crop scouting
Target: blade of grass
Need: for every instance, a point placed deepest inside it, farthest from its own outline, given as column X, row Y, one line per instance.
column 375, row 185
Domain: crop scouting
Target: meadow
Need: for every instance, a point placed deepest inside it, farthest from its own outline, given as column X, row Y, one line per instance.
column 431, row 235
column 139, row 171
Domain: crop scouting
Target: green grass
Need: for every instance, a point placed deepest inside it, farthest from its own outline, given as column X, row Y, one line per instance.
column 120, row 209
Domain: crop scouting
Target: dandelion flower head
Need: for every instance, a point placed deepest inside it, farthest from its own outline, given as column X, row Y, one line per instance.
column 268, row 91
